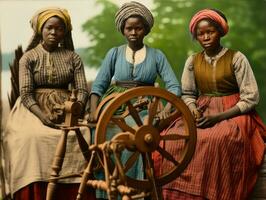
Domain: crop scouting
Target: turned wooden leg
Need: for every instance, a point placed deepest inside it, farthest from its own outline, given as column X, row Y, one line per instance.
column 57, row 165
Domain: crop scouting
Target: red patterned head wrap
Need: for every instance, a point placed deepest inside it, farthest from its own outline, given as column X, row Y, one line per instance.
column 208, row 14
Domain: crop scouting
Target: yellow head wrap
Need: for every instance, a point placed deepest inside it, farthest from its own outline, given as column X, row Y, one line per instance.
column 42, row 15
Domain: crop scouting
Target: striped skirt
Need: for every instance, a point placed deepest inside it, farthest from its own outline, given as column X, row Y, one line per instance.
column 226, row 159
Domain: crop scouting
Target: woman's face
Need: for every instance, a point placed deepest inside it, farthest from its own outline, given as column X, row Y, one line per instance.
column 207, row 35
column 134, row 30
column 53, row 32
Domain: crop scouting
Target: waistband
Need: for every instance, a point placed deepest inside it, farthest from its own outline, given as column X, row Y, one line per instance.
column 131, row 84
column 47, row 90
column 218, row 94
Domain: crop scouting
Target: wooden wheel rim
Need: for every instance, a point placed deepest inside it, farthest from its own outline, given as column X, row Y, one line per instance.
column 189, row 126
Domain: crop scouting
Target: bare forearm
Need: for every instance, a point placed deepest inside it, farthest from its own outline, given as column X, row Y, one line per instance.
column 94, row 98
column 210, row 120
column 230, row 113
column 35, row 109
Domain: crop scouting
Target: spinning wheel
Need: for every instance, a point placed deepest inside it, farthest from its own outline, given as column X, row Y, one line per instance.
column 139, row 130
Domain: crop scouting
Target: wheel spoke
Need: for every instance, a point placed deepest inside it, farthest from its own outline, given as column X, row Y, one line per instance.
column 153, row 108
column 119, row 167
column 174, row 137
column 164, row 123
column 167, row 155
column 131, row 160
column 99, row 158
column 121, row 123
column 137, row 105
column 150, row 174
column 134, row 113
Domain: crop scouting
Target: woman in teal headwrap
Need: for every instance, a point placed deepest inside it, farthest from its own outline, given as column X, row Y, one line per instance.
column 131, row 65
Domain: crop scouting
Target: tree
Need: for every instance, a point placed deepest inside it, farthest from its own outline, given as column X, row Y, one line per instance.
column 102, row 33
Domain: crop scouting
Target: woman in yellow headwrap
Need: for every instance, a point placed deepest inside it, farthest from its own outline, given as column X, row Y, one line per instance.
column 221, row 91
column 47, row 70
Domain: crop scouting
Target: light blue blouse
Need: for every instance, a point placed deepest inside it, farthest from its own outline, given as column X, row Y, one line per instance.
column 116, row 67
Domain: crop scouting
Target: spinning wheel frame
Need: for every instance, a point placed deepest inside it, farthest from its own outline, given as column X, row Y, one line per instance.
column 131, row 132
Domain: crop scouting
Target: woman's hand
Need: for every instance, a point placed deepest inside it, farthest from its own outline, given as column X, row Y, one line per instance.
column 210, row 120
column 90, row 116
column 35, row 109
column 196, row 113
column 207, row 121
column 47, row 122
column 91, row 108
column 165, row 112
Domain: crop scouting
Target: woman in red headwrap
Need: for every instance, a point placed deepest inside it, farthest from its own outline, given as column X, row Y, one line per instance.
column 220, row 89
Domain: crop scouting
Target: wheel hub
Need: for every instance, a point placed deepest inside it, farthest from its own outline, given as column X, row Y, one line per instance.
column 147, row 139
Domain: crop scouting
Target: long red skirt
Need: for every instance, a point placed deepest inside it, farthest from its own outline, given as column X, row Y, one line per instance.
column 37, row 191
column 227, row 156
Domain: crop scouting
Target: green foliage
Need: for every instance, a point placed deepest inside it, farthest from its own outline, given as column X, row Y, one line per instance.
column 171, row 34
column 247, row 32
column 102, row 34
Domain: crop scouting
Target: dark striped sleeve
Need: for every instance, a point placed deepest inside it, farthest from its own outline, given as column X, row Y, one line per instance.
column 26, row 81
column 80, row 82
